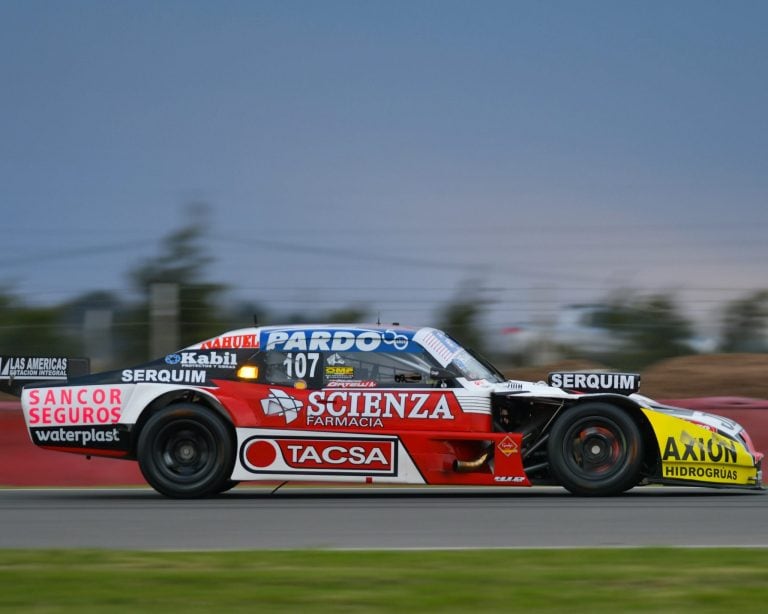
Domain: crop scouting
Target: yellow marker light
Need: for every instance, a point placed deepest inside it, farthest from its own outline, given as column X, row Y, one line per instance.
column 248, row 372
column 300, row 384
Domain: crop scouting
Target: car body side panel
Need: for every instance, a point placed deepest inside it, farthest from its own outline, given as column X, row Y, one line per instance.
column 363, row 410
column 430, row 428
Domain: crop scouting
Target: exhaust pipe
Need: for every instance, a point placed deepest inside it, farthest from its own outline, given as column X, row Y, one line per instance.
column 461, row 466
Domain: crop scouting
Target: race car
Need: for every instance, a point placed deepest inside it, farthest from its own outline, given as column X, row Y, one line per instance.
column 373, row 405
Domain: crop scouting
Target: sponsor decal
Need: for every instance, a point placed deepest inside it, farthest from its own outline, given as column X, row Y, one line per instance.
column 355, row 383
column 340, row 372
column 708, row 421
column 624, row 382
column 108, row 437
column 710, row 473
column 689, row 451
column 280, row 403
column 301, row 365
column 235, row 342
column 342, row 408
column 163, row 376
column 218, row 360
column 327, row 456
column 440, row 345
column 709, row 427
column 514, row 479
column 74, row 405
column 507, row 446
column 699, row 449
column 32, row 367
column 339, row 454
column 335, row 341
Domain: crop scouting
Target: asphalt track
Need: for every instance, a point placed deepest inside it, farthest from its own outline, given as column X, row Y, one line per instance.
column 294, row 517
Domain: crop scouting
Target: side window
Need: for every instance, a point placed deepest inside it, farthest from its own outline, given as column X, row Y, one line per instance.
column 378, row 369
column 290, row 368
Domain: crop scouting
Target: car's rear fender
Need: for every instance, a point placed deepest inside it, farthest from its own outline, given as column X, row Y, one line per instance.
column 188, row 395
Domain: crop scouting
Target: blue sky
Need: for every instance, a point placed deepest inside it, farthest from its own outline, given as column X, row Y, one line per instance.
column 390, row 153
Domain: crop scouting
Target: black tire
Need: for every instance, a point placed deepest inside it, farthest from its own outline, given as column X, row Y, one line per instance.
column 596, row 449
column 228, row 485
column 186, row 451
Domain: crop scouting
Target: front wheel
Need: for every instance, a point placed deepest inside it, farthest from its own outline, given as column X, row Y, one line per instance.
column 596, row 449
column 186, row 451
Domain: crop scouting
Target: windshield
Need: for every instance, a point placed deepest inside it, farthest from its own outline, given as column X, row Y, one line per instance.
column 460, row 361
column 471, row 366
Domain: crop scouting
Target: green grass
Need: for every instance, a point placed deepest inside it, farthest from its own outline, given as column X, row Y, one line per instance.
column 637, row 580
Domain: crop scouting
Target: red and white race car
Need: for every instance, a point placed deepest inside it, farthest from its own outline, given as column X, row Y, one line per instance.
column 370, row 404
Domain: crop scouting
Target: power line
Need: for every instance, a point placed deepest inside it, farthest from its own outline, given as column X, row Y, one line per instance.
column 72, row 252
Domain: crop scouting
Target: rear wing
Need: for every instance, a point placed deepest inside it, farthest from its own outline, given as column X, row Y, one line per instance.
column 17, row 371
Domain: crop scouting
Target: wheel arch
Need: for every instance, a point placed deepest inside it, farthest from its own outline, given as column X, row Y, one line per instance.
column 634, row 410
column 182, row 395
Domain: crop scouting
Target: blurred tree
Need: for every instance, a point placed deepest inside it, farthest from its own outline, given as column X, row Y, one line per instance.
column 26, row 330
column 745, row 324
column 74, row 309
column 347, row 315
column 90, row 318
column 342, row 315
column 182, row 261
column 461, row 317
column 652, row 328
column 241, row 314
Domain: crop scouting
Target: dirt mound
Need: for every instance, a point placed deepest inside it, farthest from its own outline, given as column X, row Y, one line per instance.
column 708, row 375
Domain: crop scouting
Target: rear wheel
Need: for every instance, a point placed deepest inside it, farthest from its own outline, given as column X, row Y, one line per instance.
column 228, row 485
column 186, row 451
column 596, row 449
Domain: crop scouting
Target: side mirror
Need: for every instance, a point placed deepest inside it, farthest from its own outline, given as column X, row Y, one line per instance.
column 411, row 377
column 438, row 373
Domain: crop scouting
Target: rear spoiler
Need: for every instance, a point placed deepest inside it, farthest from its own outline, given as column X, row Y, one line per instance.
column 18, row 371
